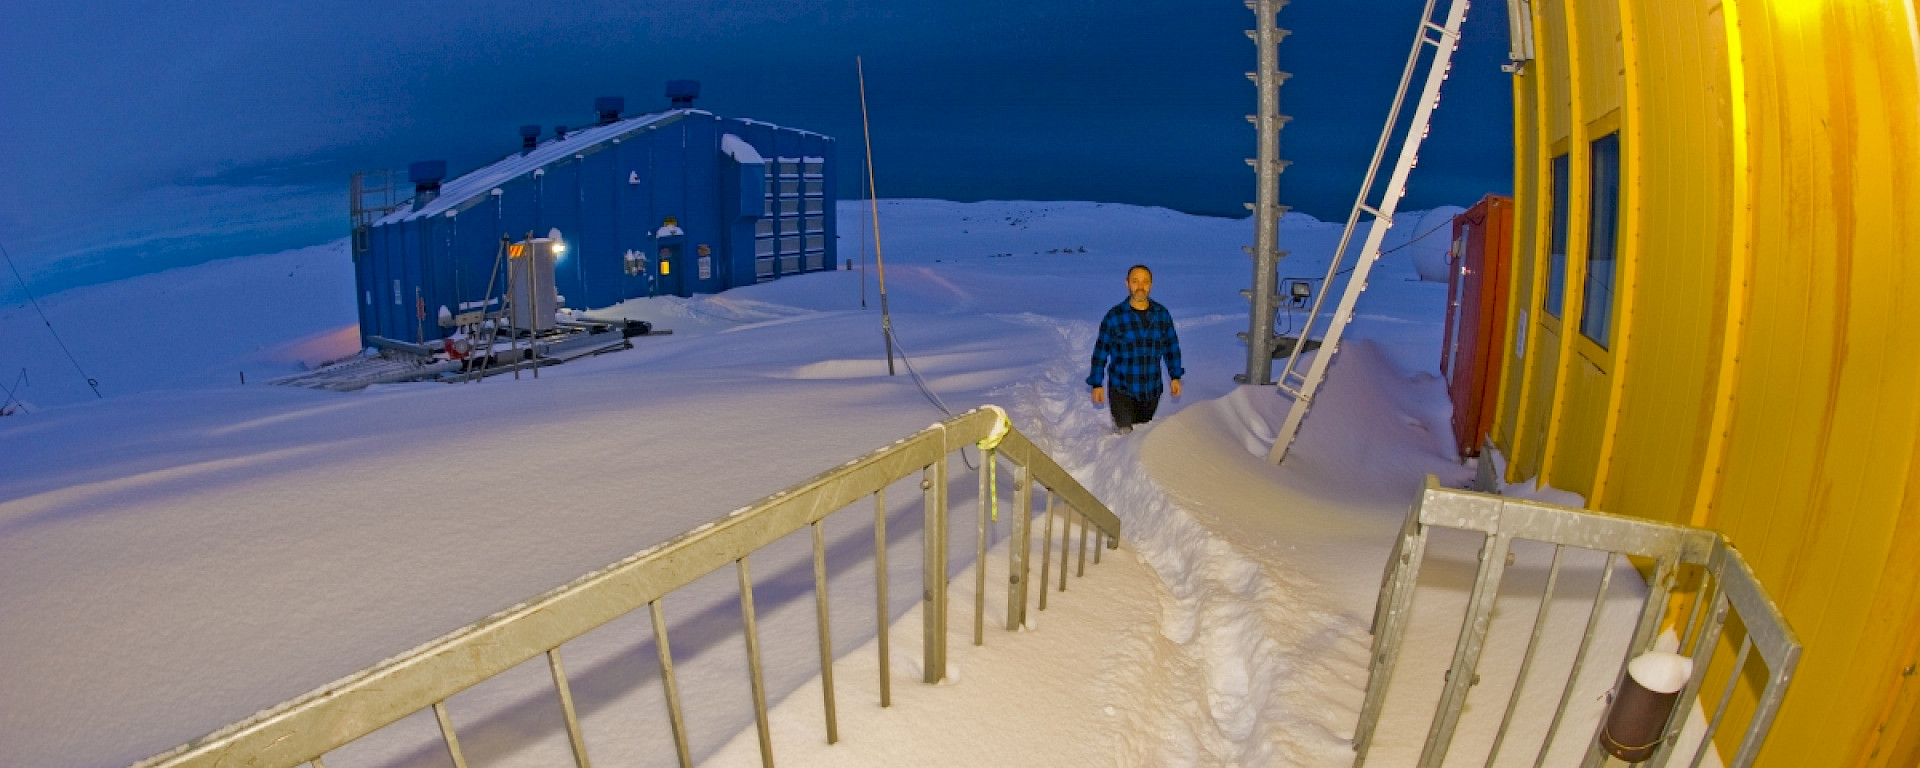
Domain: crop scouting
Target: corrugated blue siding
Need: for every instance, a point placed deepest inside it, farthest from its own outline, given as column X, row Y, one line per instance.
column 595, row 251
column 608, row 198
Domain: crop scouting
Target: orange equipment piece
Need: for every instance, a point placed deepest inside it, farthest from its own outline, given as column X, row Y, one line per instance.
column 1476, row 317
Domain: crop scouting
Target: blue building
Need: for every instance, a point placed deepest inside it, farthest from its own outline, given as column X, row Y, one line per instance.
column 673, row 203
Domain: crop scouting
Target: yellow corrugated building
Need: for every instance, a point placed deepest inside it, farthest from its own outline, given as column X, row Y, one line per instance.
column 1715, row 310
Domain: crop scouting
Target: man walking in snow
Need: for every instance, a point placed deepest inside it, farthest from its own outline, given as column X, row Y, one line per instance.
column 1135, row 336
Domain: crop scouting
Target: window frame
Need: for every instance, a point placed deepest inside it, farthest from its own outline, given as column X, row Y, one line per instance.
column 1553, row 301
column 1598, row 284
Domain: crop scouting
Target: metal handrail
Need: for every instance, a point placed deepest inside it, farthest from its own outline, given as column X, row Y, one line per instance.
column 302, row 730
column 1726, row 586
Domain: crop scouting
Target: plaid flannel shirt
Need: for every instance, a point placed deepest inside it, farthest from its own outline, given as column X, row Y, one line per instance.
column 1127, row 356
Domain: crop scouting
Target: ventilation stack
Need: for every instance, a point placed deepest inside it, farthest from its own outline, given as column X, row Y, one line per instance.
column 683, row 92
column 609, row 108
column 426, row 176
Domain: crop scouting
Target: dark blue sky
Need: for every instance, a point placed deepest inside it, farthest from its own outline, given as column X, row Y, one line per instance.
column 142, row 135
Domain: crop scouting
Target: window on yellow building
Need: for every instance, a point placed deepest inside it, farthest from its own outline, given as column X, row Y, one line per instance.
column 1557, row 254
column 1596, row 298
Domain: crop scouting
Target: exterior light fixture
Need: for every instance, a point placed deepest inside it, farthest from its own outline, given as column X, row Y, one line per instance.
column 1519, row 35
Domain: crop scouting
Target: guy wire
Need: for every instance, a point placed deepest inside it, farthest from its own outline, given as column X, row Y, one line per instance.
column 92, row 382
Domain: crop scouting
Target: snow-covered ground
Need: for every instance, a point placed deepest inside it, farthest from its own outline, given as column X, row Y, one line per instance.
column 189, row 549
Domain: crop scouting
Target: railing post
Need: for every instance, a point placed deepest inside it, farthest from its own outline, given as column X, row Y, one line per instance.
column 1463, row 670
column 1046, row 550
column 933, row 577
column 986, row 498
column 1019, row 547
column 760, row 722
column 574, row 736
column 1390, row 627
column 826, row 631
column 1066, row 539
column 447, row 735
column 1580, row 656
column 1712, row 615
column 675, row 716
column 884, row 626
column 1081, row 568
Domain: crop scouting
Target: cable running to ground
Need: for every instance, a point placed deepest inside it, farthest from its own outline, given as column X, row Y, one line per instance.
column 925, row 389
column 1417, row 238
column 92, row 382
column 11, row 396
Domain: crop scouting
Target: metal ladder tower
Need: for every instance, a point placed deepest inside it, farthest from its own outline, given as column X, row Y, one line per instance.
column 1266, row 206
column 487, row 330
column 371, row 195
column 1444, row 37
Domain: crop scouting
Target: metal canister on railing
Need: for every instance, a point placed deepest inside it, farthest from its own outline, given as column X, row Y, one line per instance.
column 1644, row 703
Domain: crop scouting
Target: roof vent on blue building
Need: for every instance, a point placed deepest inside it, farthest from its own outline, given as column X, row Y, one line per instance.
column 426, row 176
column 609, row 108
column 529, row 138
column 683, row 92
column 559, row 132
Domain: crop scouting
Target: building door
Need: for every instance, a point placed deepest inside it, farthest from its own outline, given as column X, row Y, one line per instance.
column 671, row 274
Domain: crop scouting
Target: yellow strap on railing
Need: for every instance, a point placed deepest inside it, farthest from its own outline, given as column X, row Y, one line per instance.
column 1001, row 426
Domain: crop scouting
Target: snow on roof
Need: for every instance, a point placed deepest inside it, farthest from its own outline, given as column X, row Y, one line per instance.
column 740, row 150
column 482, row 180
column 803, row 132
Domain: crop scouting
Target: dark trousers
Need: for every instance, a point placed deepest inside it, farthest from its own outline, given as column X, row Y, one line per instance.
column 1127, row 411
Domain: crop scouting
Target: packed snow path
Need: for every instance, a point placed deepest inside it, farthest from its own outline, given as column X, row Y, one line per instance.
column 1248, row 647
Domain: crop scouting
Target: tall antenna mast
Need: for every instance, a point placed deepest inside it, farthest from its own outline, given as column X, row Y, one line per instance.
column 880, row 264
column 1267, row 210
column 863, row 256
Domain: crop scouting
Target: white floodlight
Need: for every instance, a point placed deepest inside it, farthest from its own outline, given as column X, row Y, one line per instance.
column 1519, row 33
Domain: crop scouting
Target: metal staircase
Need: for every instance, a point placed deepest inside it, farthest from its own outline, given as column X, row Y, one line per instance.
column 307, row 729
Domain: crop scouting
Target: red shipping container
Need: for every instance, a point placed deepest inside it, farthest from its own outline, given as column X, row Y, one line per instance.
column 1475, row 334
